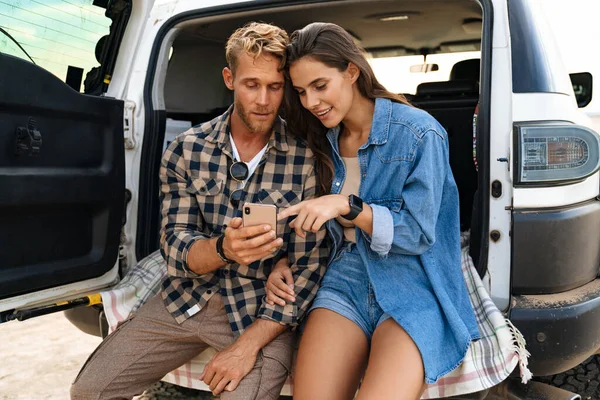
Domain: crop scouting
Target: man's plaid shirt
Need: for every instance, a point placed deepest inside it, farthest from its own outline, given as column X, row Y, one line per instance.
column 195, row 188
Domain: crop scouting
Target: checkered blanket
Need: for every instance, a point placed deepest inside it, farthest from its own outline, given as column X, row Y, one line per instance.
column 492, row 358
column 488, row 362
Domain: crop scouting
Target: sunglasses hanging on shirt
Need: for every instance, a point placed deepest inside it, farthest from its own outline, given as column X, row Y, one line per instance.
column 239, row 172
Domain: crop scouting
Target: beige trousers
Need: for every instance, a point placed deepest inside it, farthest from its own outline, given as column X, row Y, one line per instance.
column 147, row 346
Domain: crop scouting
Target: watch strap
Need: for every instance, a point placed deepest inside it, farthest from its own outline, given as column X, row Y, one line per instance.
column 220, row 250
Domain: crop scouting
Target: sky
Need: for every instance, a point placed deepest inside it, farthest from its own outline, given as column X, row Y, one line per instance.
column 55, row 33
column 576, row 28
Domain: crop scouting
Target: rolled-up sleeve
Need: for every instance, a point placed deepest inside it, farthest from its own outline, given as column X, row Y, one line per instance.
column 308, row 259
column 383, row 229
column 181, row 224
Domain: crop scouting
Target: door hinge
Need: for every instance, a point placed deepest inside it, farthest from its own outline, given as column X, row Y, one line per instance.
column 128, row 132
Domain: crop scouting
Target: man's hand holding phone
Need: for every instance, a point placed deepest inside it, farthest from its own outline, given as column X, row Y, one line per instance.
column 246, row 244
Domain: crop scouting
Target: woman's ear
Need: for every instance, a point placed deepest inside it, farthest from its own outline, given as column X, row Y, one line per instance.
column 353, row 72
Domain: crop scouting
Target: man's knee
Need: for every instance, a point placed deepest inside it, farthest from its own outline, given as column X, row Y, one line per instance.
column 270, row 372
column 264, row 382
column 276, row 365
column 274, row 373
column 280, row 351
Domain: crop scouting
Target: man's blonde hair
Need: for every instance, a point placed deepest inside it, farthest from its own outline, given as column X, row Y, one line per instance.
column 254, row 39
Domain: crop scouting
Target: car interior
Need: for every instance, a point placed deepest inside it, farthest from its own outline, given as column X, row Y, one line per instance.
column 194, row 91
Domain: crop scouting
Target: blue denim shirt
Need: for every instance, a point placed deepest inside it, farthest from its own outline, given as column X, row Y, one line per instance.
column 407, row 181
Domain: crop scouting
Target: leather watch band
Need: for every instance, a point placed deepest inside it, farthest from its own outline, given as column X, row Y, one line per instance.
column 220, row 251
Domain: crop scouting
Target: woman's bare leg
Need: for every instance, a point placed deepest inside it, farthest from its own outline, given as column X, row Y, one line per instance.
column 395, row 368
column 332, row 358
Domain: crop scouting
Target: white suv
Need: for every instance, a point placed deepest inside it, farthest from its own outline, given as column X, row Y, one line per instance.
column 79, row 171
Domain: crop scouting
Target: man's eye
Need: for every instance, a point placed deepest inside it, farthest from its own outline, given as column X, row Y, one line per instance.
column 275, row 87
column 251, row 85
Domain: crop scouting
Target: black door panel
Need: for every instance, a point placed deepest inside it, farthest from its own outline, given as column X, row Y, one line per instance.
column 61, row 201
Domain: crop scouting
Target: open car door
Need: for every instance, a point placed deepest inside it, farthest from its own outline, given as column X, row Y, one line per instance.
column 62, row 187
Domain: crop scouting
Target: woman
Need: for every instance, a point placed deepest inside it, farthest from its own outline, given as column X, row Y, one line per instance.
column 392, row 308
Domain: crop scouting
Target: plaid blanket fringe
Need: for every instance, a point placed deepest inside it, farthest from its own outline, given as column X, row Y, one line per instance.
column 488, row 361
column 492, row 358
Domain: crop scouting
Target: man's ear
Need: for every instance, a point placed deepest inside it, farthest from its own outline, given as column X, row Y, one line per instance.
column 353, row 72
column 228, row 78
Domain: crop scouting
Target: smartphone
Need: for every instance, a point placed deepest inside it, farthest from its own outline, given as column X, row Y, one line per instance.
column 258, row 214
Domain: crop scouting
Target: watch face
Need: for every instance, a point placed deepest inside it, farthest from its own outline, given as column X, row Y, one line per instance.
column 356, row 203
column 356, row 206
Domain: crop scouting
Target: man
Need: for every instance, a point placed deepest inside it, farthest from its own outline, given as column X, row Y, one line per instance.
column 214, row 294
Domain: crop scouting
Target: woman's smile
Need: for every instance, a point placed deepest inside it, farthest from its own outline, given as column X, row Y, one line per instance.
column 323, row 113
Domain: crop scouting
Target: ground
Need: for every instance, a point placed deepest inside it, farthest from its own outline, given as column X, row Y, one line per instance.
column 41, row 357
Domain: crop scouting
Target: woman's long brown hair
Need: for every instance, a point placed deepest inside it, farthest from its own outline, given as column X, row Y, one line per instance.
column 333, row 46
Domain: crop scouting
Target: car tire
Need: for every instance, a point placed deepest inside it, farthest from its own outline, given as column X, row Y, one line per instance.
column 164, row 390
column 584, row 379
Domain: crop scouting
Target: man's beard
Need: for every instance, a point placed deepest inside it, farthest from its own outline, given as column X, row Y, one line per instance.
column 256, row 127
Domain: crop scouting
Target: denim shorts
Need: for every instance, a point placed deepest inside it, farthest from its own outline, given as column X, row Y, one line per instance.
column 346, row 290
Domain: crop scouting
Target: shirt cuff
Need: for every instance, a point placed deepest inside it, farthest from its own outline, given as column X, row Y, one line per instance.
column 286, row 315
column 383, row 230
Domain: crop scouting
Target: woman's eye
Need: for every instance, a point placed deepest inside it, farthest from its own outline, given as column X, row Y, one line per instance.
column 301, row 93
column 321, row 87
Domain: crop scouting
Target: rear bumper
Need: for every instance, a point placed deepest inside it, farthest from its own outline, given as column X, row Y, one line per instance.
column 561, row 329
column 557, row 249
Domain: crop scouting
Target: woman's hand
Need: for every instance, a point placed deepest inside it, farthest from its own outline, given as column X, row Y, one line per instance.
column 280, row 285
column 312, row 214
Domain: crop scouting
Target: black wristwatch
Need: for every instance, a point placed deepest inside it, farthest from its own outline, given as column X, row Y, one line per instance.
column 356, row 207
column 220, row 251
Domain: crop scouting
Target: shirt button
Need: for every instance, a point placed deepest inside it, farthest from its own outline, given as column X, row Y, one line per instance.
column 209, row 291
column 337, row 184
column 225, row 271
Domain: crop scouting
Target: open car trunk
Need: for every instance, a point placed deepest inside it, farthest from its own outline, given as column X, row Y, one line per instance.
column 194, row 91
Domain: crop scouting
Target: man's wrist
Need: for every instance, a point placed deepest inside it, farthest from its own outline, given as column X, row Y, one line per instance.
column 246, row 343
column 259, row 334
column 221, row 251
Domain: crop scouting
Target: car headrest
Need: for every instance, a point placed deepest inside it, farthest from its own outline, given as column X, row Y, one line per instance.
column 447, row 88
column 466, row 69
